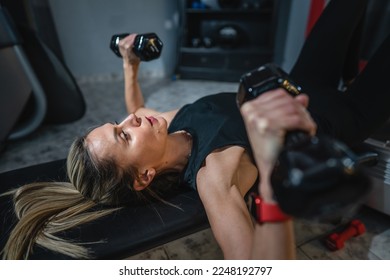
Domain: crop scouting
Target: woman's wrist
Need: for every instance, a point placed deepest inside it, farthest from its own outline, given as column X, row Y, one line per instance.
column 266, row 191
column 267, row 208
column 127, row 65
column 130, row 71
column 268, row 196
column 266, row 212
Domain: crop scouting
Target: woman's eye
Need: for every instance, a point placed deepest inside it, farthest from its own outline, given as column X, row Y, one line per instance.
column 125, row 135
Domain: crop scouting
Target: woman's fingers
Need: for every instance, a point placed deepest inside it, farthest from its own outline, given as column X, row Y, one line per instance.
column 280, row 110
column 126, row 49
column 303, row 99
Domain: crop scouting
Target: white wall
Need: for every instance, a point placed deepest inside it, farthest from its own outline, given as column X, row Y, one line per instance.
column 85, row 28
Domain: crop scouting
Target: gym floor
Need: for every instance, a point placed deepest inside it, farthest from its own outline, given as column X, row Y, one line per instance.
column 104, row 97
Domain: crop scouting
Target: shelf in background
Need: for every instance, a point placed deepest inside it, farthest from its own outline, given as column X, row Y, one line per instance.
column 223, row 44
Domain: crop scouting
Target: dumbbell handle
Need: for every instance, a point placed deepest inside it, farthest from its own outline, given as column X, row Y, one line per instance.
column 348, row 233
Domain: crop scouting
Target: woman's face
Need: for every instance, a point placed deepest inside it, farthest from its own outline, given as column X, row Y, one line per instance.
column 136, row 141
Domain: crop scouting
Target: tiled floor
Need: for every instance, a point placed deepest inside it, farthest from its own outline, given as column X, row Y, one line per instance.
column 374, row 244
column 104, row 103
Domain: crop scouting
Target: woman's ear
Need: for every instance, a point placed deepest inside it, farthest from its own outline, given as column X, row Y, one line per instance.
column 144, row 179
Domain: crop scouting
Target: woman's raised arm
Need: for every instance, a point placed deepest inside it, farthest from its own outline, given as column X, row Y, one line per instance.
column 133, row 94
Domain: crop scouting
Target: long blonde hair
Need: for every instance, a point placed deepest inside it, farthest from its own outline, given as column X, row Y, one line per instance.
column 47, row 208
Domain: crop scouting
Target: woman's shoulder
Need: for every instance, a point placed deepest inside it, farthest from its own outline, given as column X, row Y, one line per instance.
column 226, row 167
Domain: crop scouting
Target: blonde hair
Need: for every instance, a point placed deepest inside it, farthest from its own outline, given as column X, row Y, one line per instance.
column 47, row 208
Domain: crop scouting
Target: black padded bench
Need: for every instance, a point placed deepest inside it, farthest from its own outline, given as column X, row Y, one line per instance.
column 126, row 232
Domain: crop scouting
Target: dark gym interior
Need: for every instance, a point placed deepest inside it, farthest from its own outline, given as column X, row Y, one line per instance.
column 59, row 78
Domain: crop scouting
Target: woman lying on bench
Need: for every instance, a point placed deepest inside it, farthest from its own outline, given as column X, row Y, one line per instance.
column 206, row 145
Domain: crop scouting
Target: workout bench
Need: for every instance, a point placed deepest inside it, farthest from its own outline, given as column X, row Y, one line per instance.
column 142, row 227
column 125, row 233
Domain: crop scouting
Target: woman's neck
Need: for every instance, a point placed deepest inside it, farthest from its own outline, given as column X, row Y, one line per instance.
column 178, row 151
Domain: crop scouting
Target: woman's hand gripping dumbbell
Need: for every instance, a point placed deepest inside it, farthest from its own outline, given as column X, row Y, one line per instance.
column 146, row 46
column 313, row 177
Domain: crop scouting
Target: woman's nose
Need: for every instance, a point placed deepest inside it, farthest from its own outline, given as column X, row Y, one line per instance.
column 134, row 120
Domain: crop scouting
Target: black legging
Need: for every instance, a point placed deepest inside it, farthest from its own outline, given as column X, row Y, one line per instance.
column 355, row 114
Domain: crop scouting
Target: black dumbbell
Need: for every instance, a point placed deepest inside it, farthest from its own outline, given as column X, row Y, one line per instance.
column 265, row 78
column 146, row 46
column 314, row 177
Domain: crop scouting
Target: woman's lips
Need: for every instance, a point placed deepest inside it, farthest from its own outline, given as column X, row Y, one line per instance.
column 152, row 120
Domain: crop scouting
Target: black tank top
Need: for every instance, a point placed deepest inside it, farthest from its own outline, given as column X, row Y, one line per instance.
column 214, row 122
